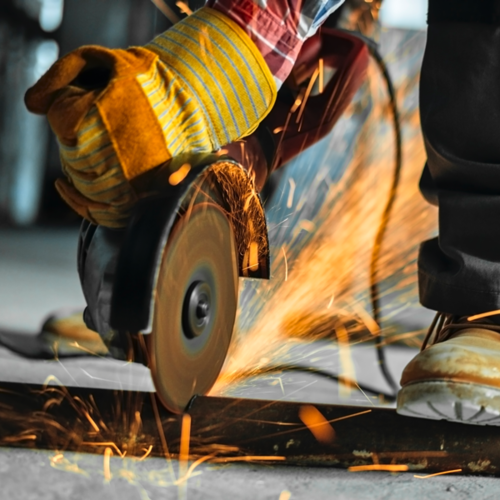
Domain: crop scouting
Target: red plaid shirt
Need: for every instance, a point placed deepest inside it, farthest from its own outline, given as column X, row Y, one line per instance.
column 277, row 27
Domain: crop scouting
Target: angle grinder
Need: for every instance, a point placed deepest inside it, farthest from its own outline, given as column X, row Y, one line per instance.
column 164, row 291
column 200, row 227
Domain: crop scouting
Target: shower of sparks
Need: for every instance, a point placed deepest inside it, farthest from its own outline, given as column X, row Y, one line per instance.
column 334, row 260
column 438, row 474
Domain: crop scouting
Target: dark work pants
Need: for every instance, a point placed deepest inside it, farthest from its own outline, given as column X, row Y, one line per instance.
column 459, row 272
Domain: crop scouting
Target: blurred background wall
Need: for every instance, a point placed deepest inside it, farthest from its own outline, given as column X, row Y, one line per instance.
column 33, row 34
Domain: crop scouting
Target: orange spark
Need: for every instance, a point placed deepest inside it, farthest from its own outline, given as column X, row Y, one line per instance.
column 349, row 416
column 347, row 370
column 438, row 473
column 317, row 424
column 136, row 424
column 192, row 468
column 368, row 321
column 179, row 175
column 321, row 75
column 184, row 8
column 249, row 458
column 483, row 315
column 148, row 452
column 286, row 263
column 166, row 11
column 90, row 419
column 307, row 94
column 289, row 202
column 298, row 102
column 331, row 302
column 380, row 467
column 108, row 445
column 108, row 453
column 57, row 458
column 285, row 495
column 251, row 196
column 159, row 425
column 86, row 349
column 253, row 259
column 50, row 402
column 16, row 439
column 184, row 448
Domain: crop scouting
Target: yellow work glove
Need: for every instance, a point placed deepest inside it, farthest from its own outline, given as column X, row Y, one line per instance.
column 119, row 113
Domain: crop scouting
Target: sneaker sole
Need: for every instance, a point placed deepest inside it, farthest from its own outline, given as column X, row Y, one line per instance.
column 454, row 401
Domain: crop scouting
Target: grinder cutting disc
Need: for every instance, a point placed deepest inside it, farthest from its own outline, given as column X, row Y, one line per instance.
column 196, row 299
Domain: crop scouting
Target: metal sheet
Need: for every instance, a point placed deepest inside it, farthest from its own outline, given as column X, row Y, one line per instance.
column 239, row 429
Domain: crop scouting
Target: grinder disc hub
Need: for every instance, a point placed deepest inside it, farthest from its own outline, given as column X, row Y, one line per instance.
column 197, row 309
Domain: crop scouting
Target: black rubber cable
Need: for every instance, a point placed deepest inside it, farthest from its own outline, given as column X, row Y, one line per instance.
column 396, row 177
column 331, row 376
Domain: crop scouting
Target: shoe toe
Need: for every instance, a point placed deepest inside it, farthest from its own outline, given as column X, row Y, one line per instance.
column 472, row 356
column 456, row 380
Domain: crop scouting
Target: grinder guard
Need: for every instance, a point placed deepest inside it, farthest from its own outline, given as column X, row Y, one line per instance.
column 148, row 230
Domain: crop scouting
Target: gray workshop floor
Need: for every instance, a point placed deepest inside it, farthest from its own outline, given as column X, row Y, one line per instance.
column 37, row 274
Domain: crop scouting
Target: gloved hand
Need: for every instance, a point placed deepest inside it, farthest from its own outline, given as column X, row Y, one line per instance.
column 119, row 113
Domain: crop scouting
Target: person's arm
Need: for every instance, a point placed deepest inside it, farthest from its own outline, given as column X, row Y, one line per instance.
column 278, row 28
column 204, row 83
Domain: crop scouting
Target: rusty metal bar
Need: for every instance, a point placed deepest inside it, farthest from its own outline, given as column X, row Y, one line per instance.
column 227, row 429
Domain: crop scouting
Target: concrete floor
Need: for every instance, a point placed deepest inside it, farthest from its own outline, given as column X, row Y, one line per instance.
column 41, row 475
column 37, row 274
